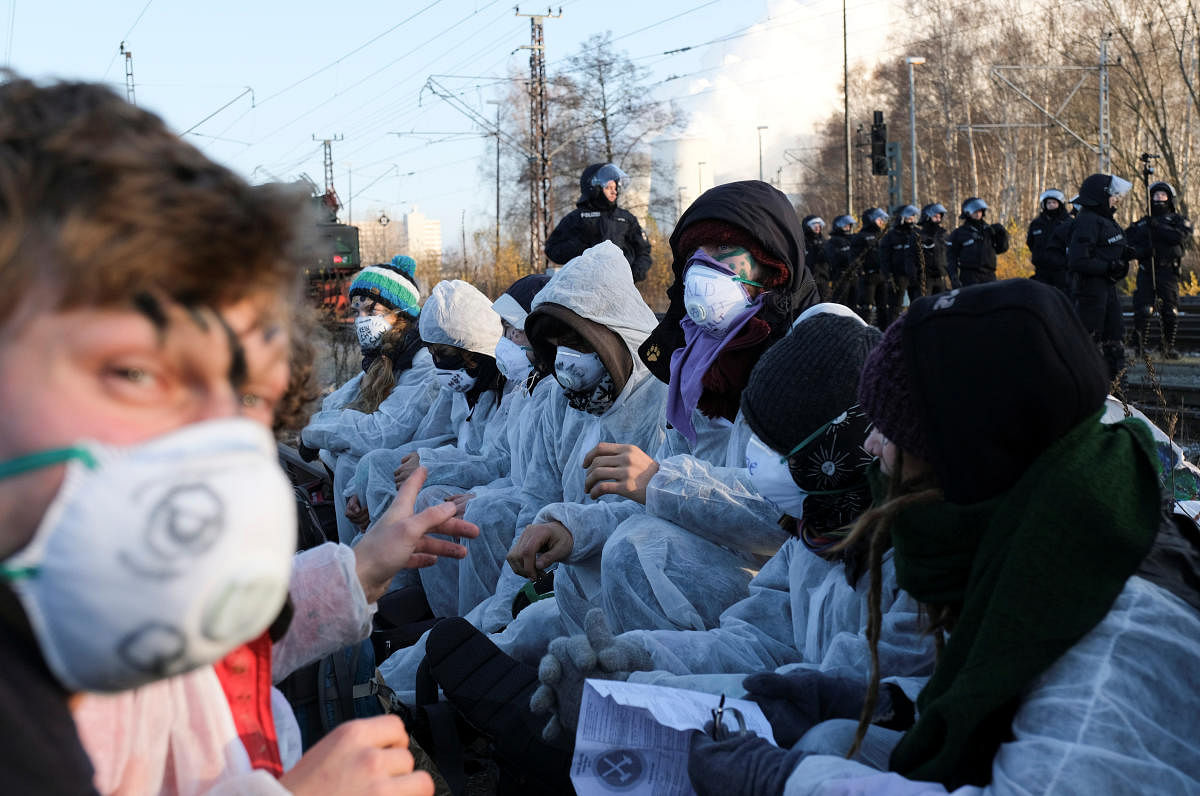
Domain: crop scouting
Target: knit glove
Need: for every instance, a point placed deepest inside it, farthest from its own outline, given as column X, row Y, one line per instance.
column 742, row 765
column 572, row 659
column 795, row 701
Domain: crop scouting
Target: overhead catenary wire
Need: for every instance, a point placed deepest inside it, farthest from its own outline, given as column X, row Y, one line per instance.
column 352, row 52
column 141, row 14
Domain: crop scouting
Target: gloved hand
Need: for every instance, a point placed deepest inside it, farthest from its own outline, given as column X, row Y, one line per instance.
column 793, row 702
column 743, row 764
column 306, row 453
column 571, row 660
column 1118, row 270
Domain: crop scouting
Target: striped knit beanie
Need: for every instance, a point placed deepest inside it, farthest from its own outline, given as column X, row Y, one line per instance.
column 394, row 285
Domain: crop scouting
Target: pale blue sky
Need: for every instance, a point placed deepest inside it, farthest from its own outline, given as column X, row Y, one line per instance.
column 314, row 69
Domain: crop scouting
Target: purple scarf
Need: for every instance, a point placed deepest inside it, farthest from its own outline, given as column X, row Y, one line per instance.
column 699, row 352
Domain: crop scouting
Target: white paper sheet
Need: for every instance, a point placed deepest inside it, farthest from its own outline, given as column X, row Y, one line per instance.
column 633, row 738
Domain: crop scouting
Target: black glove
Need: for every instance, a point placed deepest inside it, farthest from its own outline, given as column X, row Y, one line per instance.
column 1118, row 270
column 795, row 701
column 306, row 453
column 743, row 764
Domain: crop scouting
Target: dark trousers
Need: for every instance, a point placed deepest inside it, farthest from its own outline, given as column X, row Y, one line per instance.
column 975, row 276
column 1165, row 288
column 873, row 293
column 1100, row 311
column 1056, row 279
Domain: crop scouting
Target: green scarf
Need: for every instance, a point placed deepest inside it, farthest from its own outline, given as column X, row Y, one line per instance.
column 1033, row 570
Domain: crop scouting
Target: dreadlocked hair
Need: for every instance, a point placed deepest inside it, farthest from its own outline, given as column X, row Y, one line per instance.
column 874, row 529
column 380, row 378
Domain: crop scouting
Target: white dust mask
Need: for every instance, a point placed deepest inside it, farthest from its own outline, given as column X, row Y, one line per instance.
column 773, row 479
column 370, row 330
column 577, row 372
column 157, row 558
column 511, row 360
column 714, row 300
column 457, row 380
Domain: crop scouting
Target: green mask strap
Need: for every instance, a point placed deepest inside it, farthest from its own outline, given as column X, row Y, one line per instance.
column 38, row 461
column 47, row 458
column 803, row 443
column 737, row 253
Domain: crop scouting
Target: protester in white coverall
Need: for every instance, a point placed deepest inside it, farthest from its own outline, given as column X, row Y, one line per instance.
column 589, row 320
column 808, row 606
column 1037, row 539
column 460, row 329
column 737, row 250
column 393, row 400
column 487, row 476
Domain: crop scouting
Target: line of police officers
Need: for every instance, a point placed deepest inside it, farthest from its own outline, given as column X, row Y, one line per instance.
column 1081, row 251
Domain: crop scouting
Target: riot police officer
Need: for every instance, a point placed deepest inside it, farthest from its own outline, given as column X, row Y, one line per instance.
column 1158, row 241
column 596, row 218
column 933, row 247
column 1098, row 258
column 864, row 258
column 814, row 254
column 837, row 256
column 1049, row 261
column 972, row 248
column 900, row 260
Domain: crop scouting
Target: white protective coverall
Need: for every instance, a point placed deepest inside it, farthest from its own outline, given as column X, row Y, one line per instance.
column 177, row 736
column 1115, row 714
column 598, row 287
column 455, row 314
column 702, row 514
column 413, row 410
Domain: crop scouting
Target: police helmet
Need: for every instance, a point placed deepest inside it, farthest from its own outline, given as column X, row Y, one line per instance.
column 844, row 222
column 1052, row 193
column 813, row 221
column 972, row 204
column 931, row 210
column 607, row 173
column 1166, row 188
column 1163, row 186
column 907, row 212
column 875, row 213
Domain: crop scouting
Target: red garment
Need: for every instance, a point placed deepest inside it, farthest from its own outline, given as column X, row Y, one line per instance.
column 245, row 676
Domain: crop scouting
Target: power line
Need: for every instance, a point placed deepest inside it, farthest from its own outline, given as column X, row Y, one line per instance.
column 357, row 49
column 126, row 36
column 384, row 68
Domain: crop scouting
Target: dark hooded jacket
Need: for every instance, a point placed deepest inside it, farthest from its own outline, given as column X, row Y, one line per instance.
column 1162, row 235
column 814, row 251
column 767, row 215
column 596, row 219
column 1040, row 239
column 901, row 254
column 933, row 248
column 974, row 246
column 1098, row 247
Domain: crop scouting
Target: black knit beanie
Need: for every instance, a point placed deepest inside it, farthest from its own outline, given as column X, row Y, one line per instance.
column 806, row 379
column 885, row 393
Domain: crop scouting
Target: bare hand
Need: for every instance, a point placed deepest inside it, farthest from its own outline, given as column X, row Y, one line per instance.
column 368, row 756
column 408, row 466
column 538, row 547
column 460, row 502
column 614, row 469
column 356, row 513
column 399, row 539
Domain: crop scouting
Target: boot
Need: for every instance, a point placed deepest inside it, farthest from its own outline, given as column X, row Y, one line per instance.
column 492, row 691
column 1170, row 322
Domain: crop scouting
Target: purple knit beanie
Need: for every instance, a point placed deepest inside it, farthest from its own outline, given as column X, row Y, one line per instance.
column 885, row 393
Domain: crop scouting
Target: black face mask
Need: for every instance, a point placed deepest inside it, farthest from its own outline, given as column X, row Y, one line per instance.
column 1158, row 208
column 449, row 362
